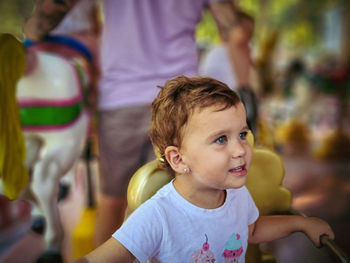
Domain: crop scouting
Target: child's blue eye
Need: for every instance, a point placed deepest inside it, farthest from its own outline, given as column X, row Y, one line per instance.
column 243, row 135
column 221, row 139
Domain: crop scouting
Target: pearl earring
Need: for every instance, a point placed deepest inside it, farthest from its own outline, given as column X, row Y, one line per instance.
column 185, row 170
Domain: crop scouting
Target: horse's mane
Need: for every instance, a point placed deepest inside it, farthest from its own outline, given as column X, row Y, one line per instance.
column 13, row 172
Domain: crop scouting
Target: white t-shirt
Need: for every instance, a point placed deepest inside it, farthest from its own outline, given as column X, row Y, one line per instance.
column 167, row 228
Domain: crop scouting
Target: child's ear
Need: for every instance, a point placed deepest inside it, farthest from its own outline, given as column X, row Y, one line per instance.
column 174, row 158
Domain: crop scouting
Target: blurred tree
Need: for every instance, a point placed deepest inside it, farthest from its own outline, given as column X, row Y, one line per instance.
column 207, row 33
column 300, row 22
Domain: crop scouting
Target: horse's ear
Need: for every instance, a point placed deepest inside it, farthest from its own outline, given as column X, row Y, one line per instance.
column 13, row 173
column 12, row 58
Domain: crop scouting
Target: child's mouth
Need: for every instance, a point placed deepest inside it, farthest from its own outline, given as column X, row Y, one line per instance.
column 240, row 170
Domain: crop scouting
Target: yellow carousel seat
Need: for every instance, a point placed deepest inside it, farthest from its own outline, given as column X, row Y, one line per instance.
column 146, row 181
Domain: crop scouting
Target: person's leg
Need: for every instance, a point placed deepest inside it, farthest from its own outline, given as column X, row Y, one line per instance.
column 123, row 144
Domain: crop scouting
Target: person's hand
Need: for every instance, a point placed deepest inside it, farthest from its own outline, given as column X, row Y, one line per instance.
column 250, row 102
column 315, row 227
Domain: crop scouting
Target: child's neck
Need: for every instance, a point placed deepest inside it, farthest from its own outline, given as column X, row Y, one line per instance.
column 204, row 198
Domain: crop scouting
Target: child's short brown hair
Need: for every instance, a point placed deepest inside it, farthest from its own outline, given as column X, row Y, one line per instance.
column 175, row 103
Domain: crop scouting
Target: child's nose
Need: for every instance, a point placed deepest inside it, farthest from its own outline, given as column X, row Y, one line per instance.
column 238, row 150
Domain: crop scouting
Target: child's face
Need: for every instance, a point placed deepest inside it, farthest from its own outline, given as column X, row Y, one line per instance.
column 215, row 147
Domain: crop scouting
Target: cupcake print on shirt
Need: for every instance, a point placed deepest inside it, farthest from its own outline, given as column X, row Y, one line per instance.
column 233, row 249
column 203, row 255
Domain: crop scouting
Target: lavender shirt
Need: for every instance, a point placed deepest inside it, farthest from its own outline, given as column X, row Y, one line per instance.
column 144, row 43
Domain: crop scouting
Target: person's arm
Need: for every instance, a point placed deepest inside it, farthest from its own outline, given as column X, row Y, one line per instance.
column 236, row 37
column 236, row 30
column 45, row 17
column 112, row 251
column 268, row 228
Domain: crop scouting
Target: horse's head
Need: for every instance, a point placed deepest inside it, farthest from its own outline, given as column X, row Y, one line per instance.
column 13, row 173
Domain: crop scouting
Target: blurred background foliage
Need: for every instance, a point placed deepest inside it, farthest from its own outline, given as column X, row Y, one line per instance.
column 313, row 30
column 300, row 46
column 305, row 26
column 299, row 24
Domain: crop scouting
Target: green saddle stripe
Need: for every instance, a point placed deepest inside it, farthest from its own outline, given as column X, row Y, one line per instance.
column 49, row 115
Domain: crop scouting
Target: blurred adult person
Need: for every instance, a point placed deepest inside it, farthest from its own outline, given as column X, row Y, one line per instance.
column 143, row 44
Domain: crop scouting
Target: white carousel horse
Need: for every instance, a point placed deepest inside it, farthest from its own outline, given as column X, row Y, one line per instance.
column 55, row 126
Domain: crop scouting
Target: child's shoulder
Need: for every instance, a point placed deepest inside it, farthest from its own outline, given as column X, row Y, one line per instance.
column 153, row 206
column 157, row 205
column 161, row 197
column 163, row 192
column 238, row 193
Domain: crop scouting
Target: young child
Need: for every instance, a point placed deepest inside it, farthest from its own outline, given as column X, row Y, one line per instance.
column 205, row 214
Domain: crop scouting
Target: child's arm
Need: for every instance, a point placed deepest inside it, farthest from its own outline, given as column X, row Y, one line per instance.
column 268, row 228
column 112, row 251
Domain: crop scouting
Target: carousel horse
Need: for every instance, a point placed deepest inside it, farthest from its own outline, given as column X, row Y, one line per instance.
column 43, row 124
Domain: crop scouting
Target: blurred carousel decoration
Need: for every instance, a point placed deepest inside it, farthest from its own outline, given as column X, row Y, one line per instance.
column 44, row 124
